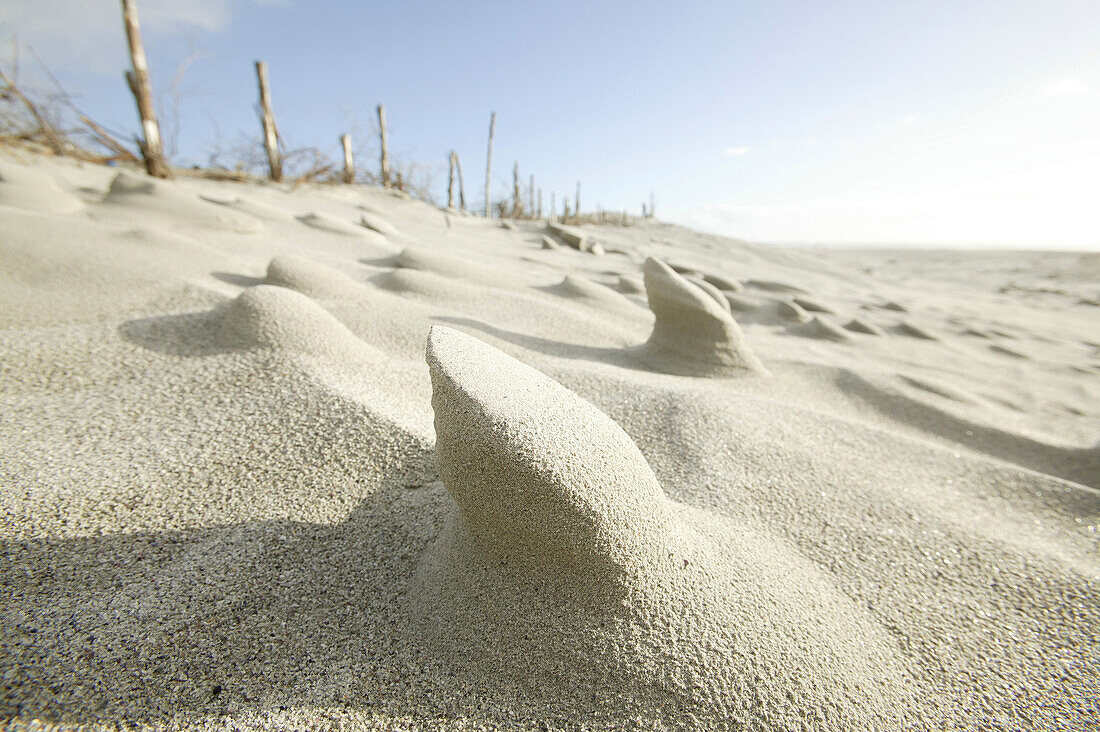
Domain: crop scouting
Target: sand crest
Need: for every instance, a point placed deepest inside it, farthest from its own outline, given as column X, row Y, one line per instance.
column 692, row 332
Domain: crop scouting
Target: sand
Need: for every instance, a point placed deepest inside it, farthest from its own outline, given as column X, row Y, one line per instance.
column 329, row 458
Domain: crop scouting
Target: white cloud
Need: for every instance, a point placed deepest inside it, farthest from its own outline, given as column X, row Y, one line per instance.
column 735, row 152
column 909, row 121
column 88, row 34
column 1067, row 88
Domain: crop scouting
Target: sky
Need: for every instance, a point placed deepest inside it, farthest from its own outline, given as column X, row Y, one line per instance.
column 927, row 123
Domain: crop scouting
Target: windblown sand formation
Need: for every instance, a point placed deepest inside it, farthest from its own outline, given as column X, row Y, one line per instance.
column 28, row 189
column 565, row 561
column 186, row 211
column 226, row 506
column 693, row 334
column 266, row 316
column 578, row 288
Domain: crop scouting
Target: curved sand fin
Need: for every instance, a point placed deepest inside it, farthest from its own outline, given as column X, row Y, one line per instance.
column 541, row 477
column 692, row 334
column 565, row 563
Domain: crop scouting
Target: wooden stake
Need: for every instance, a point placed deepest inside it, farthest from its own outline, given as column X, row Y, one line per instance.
column 349, row 163
column 577, row 201
column 385, row 162
column 451, row 182
column 651, row 204
column 531, row 196
column 489, row 162
column 461, row 186
column 138, row 79
column 553, row 207
column 267, row 118
column 539, row 215
column 517, row 200
column 565, row 210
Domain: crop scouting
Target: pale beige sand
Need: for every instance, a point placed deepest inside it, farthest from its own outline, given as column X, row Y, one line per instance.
column 238, row 495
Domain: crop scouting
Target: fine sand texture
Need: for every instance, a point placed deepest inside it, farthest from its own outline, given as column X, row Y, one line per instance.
column 321, row 457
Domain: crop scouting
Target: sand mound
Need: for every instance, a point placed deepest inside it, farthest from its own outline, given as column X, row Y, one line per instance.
column 377, row 223
column 790, row 310
column 631, row 285
column 426, row 285
column 34, row 190
column 773, row 286
column 333, row 225
column 133, row 197
column 861, row 325
column 430, row 260
column 564, row 567
column 692, row 334
column 266, row 316
column 250, row 207
column 811, row 305
column 723, row 283
column 311, row 278
column 824, row 328
column 909, row 328
column 592, row 293
column 742, row 303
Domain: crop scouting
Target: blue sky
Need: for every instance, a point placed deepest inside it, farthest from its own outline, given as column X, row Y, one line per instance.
column 973, row 123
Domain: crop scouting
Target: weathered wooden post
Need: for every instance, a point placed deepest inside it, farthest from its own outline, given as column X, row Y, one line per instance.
column 385, row 162
column 577, row 201
column 451, row 181
column 517, row 200
column 489, row 162
column 461, row 185
column 553, row 207
column 349, row 163
column 267, row 118
column 539, row 216
column 651, row 204
column 152, row 150
column 531, row 196
column 565, row 210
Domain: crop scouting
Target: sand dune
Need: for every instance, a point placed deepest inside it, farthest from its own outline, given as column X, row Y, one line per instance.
column 331, row 458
